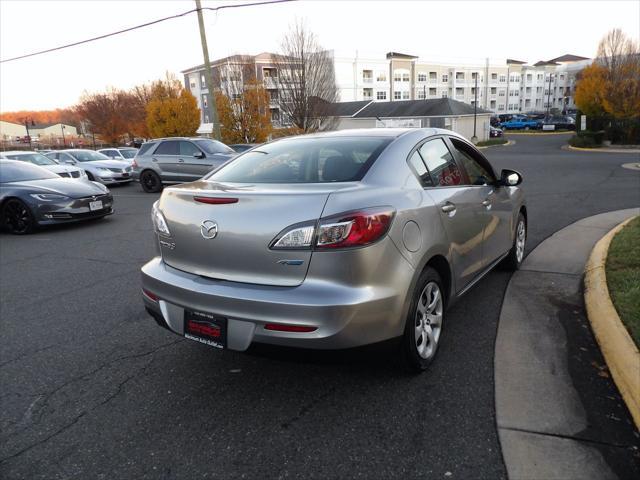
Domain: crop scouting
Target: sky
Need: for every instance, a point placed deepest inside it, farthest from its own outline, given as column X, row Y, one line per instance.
column 436, row 30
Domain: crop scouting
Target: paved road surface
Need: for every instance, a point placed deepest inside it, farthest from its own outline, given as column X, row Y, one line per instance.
column 91, row 388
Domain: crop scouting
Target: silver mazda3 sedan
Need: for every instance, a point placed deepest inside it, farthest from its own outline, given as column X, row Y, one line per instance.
column 333, row 240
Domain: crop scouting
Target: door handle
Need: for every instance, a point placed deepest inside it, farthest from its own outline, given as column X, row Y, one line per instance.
column 180, row 160
column 154, row 160
column 487, row 202
column 448, row 207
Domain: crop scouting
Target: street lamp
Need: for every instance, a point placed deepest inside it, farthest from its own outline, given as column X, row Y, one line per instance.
column 64, row 143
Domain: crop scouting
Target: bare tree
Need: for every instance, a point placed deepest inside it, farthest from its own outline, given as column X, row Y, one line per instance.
column 306, row 80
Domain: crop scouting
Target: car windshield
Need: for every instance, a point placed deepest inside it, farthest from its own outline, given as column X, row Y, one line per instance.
column 305, row 160
column 213, row 146
column 23, row 171
column 35, row 158
column 87, row 155
column 128, row 153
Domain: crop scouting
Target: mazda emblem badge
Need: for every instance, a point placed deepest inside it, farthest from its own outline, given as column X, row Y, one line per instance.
column 209, row 229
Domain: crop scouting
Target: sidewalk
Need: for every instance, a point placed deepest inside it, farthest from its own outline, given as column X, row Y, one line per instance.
column 558, row 412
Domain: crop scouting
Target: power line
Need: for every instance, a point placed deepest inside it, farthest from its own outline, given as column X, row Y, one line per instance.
column 221, row 7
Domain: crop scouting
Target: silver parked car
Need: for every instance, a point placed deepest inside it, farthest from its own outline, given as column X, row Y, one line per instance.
column 98, row 167
column 39, row 159
column 167, row 161
column 333, row 240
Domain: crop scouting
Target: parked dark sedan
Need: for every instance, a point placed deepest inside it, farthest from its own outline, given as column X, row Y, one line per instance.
column 32, row 196
column 495, row 132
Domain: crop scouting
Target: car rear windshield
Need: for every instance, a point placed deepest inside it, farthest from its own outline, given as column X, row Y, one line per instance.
column 145, row 147
column 23, row 171
column 36, row 158
column 213, row 146
column 305, row 160
column 87, row 155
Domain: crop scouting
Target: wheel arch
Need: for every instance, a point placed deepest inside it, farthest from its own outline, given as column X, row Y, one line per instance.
column 441, row 265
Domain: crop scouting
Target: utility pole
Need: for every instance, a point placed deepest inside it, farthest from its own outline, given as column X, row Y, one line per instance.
column 207, row 74
column 475, row 110
column 64, row 143
column 26, row 124
column 548, row 94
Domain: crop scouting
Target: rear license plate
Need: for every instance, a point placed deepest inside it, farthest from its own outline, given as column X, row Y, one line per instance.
column 205, row 328
column 97, row 205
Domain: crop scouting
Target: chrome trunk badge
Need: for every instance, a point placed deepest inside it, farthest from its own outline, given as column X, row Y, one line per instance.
column 209, row 229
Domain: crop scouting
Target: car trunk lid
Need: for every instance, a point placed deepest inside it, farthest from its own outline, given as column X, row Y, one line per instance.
column 247, row 218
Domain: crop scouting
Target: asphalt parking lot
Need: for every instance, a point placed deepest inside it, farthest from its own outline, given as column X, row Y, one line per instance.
column 92, row 388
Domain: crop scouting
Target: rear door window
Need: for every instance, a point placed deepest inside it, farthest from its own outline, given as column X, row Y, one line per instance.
column 145, row 148
column 418, row 167
column 170, row 147
column 441, row 164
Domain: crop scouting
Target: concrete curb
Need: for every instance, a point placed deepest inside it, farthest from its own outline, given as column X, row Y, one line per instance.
column 617, row 346
column 508, row 144
column 602, row 149
column 510, row 132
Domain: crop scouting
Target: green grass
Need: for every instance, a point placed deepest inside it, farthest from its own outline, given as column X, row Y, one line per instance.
column 492, row 141
column 623, row 276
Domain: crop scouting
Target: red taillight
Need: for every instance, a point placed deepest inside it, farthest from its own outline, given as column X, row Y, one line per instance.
column 215, row 200
column 354, row 229
column 151, row 296
column 281, row 327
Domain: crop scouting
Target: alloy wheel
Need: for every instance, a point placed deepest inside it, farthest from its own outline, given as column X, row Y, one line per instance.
column 428, row 321
column 17, row 217
column 521, row 237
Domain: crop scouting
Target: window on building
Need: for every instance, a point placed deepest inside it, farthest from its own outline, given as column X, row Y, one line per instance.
column 444, row 94
column 459, row 75
column 473, row 90
column 397, row 95
column 561, row 77
column 459, row 92
column 494, row 90
column 529, row 77
column 494, row 76
column 367, row 93
column 422, row 77
column 405, row 77
column 492, row 104
column 397, row 76
column 381, row 95
column 502, row 93
column 381, row 77
column 433, row 76
column 445, row 78
column 501, row 106
column 421, row 94
column 432, row 92
column 367, row 76
column 203, row 82
column 405, row 95
column 503, row 78
column 539, row 76
column 192, row 84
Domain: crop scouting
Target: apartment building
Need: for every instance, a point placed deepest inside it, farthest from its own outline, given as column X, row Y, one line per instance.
column 503, row 86
column 229, row 74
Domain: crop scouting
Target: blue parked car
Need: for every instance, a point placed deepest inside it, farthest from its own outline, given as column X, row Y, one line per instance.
column 522, row 123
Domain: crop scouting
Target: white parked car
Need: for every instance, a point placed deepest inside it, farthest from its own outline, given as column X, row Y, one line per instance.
column 39, row 159
column 99, row 167
column 124, row 154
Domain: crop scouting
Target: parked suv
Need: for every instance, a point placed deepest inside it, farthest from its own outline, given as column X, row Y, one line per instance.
column 177, row 160
column 333, row 240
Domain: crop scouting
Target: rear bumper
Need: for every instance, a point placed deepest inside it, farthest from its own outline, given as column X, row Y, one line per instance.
column 345, row 316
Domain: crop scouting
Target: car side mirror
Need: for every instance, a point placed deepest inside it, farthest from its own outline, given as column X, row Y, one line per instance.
column 510, row 178
column 198, row 155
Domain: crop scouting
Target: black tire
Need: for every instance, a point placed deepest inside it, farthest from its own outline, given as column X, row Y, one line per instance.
column 90, row 177
column 150, row 181
column 514, row 259
column 17, row 217
column 412, row 359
